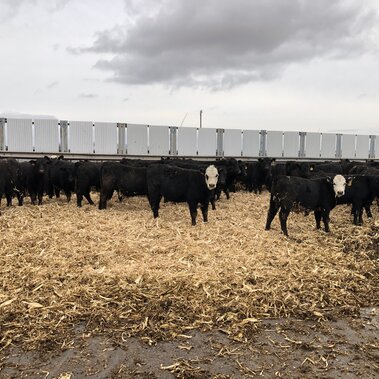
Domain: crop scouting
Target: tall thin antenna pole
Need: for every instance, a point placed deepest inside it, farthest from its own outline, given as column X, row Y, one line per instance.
column 201, row 119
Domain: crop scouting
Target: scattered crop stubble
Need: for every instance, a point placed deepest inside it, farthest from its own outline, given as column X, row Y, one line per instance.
column 121, row 272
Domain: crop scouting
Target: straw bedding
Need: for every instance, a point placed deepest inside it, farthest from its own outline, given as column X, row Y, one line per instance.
column 123, row 273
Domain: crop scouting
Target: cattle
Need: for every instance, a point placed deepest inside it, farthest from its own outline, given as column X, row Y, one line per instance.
column 126, row 180
column 329, row 167
column 10, row 180
column 258, row 174
column 35, row 178
column 360, row 192
column 318, row 195
column 61, row 177
column 299, row 169
column 181, row 185
column 87, row 176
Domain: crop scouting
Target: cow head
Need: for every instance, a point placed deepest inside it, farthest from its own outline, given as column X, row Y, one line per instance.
column 339, row 185
column 211, row 177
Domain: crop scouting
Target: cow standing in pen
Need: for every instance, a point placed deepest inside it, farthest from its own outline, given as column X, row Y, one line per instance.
column 181, row 185
column 318, row 195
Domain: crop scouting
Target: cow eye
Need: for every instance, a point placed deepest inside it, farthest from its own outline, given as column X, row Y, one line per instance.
column 217, row 176
column 207, row 177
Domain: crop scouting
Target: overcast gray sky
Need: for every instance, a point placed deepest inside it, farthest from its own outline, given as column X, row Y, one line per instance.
column 249, row 64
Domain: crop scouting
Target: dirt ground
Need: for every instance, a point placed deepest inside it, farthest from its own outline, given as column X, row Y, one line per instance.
column 115, row 294
column 283, row 348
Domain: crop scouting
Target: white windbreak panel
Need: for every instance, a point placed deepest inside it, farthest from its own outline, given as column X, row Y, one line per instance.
column 312, row 145
column 328, row 145
column 291, row 144
column 187, row 141
column 274, row 147
column 348, row 146
column 376, row 147
column 105, row 134
column 159, row 140
column 81, row 137
column 46, row 134
column 362, row 150
column 207, row 142
column 232, row 143
column 20, row 135
column 136, row 139
column 250, row 143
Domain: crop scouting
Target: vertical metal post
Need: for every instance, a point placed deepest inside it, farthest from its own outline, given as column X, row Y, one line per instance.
column 219, row 142
column 2, row 134
column 302, row 144
column 372, row 147
column 263, row 143
column 121, row 138
column 201, row 119
column 339, row 146
column 173, row 140
column 63, row 133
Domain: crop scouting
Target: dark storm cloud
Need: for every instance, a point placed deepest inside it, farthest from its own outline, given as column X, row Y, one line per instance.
column 223, row 43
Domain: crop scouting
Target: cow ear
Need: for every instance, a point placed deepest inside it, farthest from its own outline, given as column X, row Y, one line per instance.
column 60, row 157
column 260, row 159
column 329, row 179
column 349, row 181
column 311, row 167
column 33, row 162
column 273, row 160
column 202, row 170
column 77, row 164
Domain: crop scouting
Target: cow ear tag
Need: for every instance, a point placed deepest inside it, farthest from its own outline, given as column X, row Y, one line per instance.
column 349, row 182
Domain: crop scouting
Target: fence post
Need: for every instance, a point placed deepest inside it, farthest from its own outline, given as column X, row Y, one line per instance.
column 121, row 138
column 339, row 146
column 219, row 142
column 302, row 144
column 372, row 147
column 173, row 145
column 2, row 134
column 263, row 144
column 63, row 133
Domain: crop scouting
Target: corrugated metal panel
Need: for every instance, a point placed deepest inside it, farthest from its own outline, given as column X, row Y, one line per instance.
column 328, row 145
column 312, row 145
column 2, row 134
column 136, row 139
column 291, row 144
column 105, row 135
column 274, row 144
column 81, row 137
column 20, row 135
column 159, row 140
column 250, row 143
column 362, row 150
column 207, row 144
column 232, row 143
column 348, row 146
column 46, row 134
column 187, row 141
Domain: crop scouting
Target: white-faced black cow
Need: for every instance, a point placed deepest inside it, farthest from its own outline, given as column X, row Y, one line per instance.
column 318, row 195
column 181, row 185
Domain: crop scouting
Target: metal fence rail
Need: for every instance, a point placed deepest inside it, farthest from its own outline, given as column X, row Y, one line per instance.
column 114, row 139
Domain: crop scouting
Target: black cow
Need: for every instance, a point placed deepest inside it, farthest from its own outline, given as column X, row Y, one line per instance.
column 181, row 185
column 10, row 180
column 87, row 176
column 126, row 180
column 35, row 178
column 258, row 174
column 318, row 195
column 61, row 177
column 299, row 169
column 329, row 167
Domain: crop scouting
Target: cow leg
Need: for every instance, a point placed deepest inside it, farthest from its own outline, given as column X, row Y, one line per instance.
column 273, row 210
column 226, row 190
column 213, row 199
column 20, row 198
column 119, row 195
column 318, row 218
column 154, row 200
column 9, row 200
column 283, row 215
column 103, row 200
column 40, row 196
column 33, row 198
column 79, row 199
column 68, row 195
column 193, row 212
column 325, row 219
column 88, row 197
column 57, row 193
column 204, row 211
column 368, row 210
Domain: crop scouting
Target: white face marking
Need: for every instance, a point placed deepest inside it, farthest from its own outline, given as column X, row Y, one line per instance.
column 339, row 184
column 211, row 177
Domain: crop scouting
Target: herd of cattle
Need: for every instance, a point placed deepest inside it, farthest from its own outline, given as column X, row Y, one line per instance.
column 316, row 187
